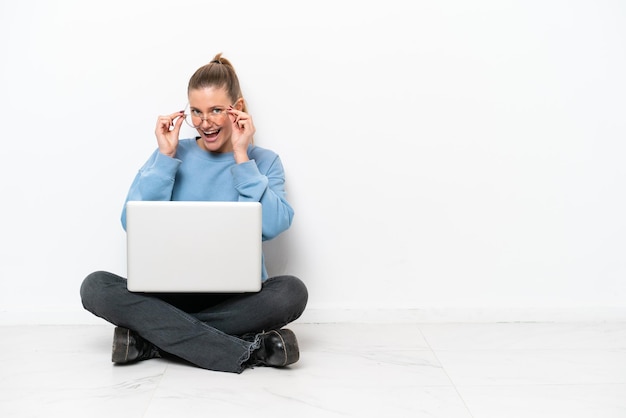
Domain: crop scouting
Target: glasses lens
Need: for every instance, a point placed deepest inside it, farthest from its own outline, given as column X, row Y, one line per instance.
column 189, row 120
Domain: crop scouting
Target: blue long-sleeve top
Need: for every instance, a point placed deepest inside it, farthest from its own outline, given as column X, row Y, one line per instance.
column 197, row 175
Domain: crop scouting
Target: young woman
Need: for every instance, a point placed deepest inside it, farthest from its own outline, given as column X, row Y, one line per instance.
column 223, row 332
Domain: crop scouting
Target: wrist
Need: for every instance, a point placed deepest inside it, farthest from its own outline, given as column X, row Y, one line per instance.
column 241, row 156
column 168, row 154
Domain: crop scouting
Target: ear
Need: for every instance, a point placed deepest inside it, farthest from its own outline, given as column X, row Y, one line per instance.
column 238, row 104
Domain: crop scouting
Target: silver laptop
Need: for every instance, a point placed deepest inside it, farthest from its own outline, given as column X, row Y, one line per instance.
column 178, row 246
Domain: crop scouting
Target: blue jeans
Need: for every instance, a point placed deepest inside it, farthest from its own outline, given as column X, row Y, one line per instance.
column 213, row 331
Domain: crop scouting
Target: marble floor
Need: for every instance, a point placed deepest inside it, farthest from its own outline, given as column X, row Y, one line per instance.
column 345, row 370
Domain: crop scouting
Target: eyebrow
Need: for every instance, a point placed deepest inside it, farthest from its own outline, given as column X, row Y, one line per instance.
column 210, row 108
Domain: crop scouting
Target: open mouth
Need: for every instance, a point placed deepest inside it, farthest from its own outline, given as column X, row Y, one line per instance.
column 211, row 134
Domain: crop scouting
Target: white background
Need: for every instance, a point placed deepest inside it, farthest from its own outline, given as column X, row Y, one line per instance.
column 440, row 155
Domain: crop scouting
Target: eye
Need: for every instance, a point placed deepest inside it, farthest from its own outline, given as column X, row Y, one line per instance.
column 196, row 112
column 217, row 110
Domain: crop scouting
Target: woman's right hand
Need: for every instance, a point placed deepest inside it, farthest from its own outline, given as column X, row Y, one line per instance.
column 167, row 131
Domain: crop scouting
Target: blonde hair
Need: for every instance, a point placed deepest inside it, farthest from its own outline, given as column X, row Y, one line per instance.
column 220, row 73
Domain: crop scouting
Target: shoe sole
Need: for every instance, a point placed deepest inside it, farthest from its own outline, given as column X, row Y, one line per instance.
column 121, row 342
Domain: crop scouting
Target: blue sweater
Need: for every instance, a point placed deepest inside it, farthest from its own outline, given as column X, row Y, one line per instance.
column 195, row 174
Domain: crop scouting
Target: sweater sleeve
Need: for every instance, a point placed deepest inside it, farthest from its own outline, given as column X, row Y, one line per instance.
column 269, row 189
column 154, row 181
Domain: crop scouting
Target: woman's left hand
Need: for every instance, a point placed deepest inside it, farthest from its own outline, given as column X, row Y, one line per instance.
column 242, row 133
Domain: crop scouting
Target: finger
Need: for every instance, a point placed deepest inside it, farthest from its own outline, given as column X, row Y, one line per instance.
column 242, row 119
column 247, row 123
column 167, row 122
column 175, row 118
column 235, row 121
column 242, row 123
column 178, row 124
column 164, row 123
column 237, row 113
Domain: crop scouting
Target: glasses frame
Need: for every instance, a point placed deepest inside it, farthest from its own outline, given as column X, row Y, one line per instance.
column 187, row 115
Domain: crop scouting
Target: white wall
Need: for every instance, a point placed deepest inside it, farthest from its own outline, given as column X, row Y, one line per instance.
column 446, row 156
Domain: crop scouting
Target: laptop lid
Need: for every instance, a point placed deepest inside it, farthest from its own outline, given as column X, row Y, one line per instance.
column 176, row 246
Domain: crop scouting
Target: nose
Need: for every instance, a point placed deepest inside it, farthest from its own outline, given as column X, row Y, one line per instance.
column 205, row 122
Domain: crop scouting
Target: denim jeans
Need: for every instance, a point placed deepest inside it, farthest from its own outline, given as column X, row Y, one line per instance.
column 213, row 331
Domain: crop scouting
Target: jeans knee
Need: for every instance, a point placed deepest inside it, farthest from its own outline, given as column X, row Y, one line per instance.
column 294, row 294
column 299, row 291
column 88, row 289
column 91, row 290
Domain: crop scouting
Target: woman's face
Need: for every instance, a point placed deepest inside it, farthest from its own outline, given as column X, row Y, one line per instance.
column 208, row 107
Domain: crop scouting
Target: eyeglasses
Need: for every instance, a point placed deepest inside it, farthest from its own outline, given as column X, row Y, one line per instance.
column 194, row 117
